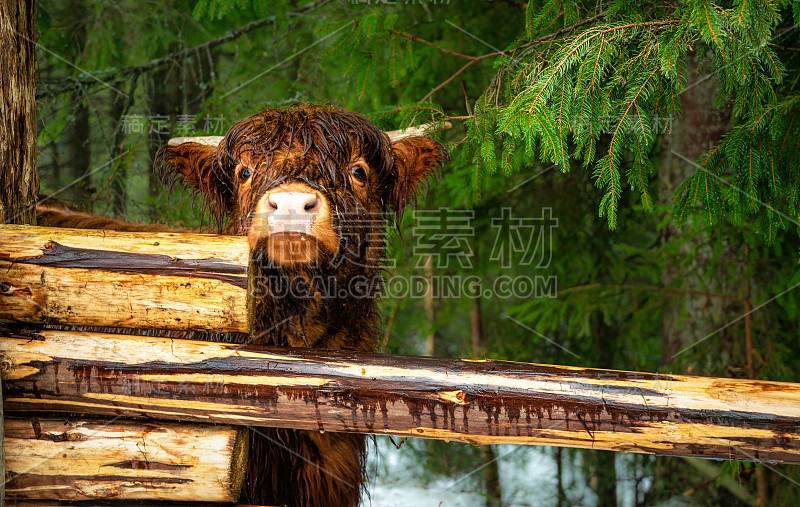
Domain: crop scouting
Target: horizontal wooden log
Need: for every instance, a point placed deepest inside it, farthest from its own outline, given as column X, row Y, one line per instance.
column 68, row 459
column 123, row 279
column 480, row 402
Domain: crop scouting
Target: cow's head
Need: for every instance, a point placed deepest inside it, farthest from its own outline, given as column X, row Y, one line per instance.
column 304, row 182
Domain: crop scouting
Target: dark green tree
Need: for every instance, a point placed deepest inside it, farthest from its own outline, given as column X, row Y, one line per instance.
column 675, row 122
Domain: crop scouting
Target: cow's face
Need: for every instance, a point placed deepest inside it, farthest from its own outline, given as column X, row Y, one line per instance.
column 307, row 184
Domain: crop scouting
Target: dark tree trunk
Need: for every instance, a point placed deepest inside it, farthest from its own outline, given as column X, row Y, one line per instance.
column 491, row 472
column 77, row 138
column 694, row 133
column 561, row 495
column 164, row 92
column 121, row 106
column 684, row 320
column 177, row 89
column 430, row 309
column 55, row 161
column 20, row 183
column 79, row 156
column 603, row 463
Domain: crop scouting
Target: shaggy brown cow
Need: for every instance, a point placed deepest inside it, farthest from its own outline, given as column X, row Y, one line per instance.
column 310, row 187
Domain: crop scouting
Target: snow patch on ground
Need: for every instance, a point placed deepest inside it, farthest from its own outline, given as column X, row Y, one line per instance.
column 527, row 477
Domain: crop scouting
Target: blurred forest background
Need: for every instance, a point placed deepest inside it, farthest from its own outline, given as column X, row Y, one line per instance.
column 660, row 138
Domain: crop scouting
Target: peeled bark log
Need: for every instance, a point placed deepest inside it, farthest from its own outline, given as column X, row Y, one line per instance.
column 114, row 279
column 480, row 402
column 63, row 459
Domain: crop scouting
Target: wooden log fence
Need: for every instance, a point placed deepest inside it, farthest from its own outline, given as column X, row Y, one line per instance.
column 114, row 279
column 480, row 402
column 173, row 281
column 61, row 459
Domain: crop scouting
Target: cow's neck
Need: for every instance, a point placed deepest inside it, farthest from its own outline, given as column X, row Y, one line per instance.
column 313, row 306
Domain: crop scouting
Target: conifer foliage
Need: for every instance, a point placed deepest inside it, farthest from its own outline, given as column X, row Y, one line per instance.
column 533, row 89
column 601, row 87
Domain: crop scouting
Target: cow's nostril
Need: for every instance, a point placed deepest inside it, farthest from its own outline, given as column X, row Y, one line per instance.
column 271, row 204
column 312, row 204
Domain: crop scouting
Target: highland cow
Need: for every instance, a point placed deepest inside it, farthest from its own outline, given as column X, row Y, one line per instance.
column 311, row 187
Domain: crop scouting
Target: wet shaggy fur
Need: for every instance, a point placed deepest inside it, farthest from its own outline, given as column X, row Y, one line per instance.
column 55, row 214
column 307, row 304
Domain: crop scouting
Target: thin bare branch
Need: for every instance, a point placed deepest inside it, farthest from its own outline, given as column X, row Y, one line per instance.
column 116, row 75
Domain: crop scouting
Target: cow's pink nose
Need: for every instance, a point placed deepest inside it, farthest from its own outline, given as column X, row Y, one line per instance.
column 293, row 203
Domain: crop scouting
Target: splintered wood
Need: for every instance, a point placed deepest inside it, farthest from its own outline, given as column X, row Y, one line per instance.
column 65, row 459
column 115, row 279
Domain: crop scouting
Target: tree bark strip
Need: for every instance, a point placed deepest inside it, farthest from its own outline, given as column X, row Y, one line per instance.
column 18, row 113
column 480, row 402
column 112, row 279
column 67, row 459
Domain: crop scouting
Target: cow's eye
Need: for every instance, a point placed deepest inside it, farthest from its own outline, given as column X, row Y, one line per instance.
column 358, row 173
column 245, row 173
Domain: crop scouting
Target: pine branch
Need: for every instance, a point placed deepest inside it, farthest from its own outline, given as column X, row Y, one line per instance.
column 473, row 59
column 439, row 48
column 448, row 80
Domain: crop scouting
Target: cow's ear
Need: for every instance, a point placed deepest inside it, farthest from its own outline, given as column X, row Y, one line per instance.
column 197, row 166
column 415, row 158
